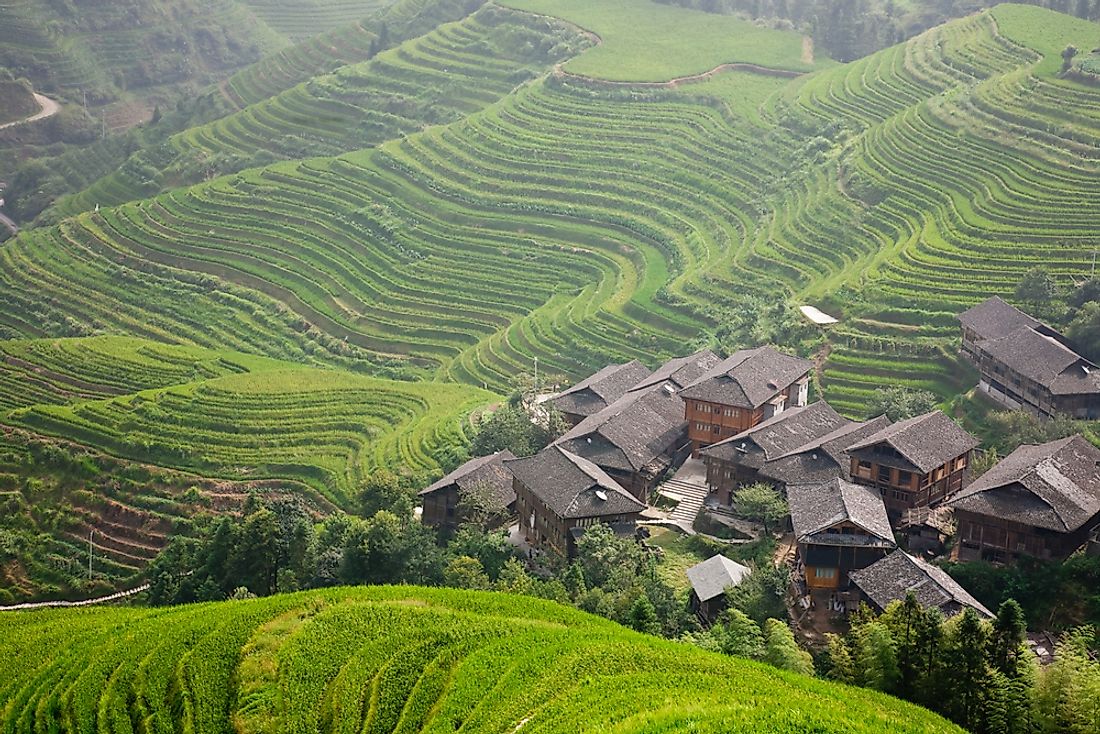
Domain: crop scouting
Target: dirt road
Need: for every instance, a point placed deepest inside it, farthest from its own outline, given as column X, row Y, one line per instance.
column 49, row 109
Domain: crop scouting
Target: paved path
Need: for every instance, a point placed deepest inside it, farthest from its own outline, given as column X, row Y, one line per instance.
column 49, row 109
column 81, row 603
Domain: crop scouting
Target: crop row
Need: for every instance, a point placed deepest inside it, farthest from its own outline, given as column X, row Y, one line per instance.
column 322, row 428
column 400, row 659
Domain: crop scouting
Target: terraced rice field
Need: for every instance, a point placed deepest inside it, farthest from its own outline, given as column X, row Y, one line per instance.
column 400, row 659
column 292, row 110
column 235, row 417
column 307, row 18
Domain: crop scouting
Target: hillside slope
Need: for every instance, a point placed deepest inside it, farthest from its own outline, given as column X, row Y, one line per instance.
column 402, row 660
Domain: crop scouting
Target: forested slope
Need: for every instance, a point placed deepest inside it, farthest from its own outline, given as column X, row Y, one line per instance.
column 401, row 659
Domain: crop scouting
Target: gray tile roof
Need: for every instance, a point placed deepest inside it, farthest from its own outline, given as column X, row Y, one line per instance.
column 1047, row 360
column 824, row 458
column 899, row 573
column 779, row 434
column 995, row 318
column 817, row 507
column 1055, row 486
column 631, row 433
column 927, row 441
column 599, row 390
column 681, row 371
column 572, row 486
column 713, row 576
column 488, row 471
column 748, row 378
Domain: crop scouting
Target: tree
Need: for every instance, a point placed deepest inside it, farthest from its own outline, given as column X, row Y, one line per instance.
column 255, row 557
column 1068, row 53
column 1009, row 633
column 841, row 668
column 736, row 634
column 899, row 402
column 1037, row 288
column 876, row 661
column 491, row 548
column 478, row 506
column 604, row 557
column 966, row 655
column 781, row 650
column 760, row 596
column 760, row 502
column 1084, row 330
column 643, row 617
column 381, row 490
column 514, row 579
column 464, row 572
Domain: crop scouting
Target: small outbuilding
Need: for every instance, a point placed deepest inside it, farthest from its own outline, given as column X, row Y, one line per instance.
column 900, row 574
column 486, row 474
column 709, row 581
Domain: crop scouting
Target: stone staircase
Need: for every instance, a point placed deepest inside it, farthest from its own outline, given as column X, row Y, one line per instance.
column 689, row 488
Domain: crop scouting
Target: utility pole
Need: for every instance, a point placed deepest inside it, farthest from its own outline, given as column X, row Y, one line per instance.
column 90, row 532
column 536, row 377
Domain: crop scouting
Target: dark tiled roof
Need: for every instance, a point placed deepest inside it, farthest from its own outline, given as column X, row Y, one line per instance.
column 1055, row 486
column 824, row 458
column 632, row 432
column 569, row 485
column 487, row 471
column 817, row 507
column 780, row 434
column 1045, row 359
column 994, row 318
column 927, row 441
column 596, row 392
column 713, row 576
column 681, row 371
column 748, row 378
column 899, row 573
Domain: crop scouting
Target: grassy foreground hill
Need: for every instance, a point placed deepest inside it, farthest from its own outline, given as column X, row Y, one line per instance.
column 389, row 659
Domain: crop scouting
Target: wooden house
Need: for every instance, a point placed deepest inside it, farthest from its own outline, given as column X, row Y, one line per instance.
column 709, row 582
column 442, row 501
column 822, row 459
column 839, row 527
column 559, row 494
column 900, row 574
column 1026, row 365
column 642, row 435
column 1040, row 501
column 917, row 462
column 743, row 390
column 740, row 459
column 596, row 392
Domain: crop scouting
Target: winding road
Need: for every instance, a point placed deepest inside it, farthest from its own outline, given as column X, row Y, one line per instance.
column 49, row 108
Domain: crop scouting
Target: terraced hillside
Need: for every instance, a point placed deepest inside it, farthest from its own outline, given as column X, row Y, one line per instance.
column 437, row 78
column 307, row 18
column 230, row 415
column 55, row 497
column 581, row 222
column 401, row 659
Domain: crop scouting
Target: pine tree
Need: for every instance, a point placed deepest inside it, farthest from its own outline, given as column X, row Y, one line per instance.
column 643, row 617
column 967, row 655
column 736, row 634
column 1009, row 632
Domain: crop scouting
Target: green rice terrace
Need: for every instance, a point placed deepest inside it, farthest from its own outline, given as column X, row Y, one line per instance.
column 401, row 659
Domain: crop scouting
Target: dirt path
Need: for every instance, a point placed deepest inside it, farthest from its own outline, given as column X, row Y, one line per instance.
column 82, row 603
column 49, row 109
column 807, row 50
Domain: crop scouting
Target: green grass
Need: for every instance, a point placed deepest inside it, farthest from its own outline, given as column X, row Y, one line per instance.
column 402, row 659
column 1046, row 33
column 647, row 41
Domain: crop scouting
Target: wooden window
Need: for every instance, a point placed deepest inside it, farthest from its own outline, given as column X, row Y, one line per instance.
column 905, row 478
column 824, row 573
